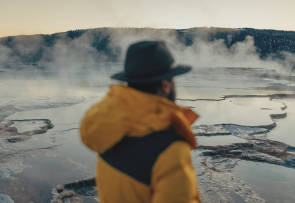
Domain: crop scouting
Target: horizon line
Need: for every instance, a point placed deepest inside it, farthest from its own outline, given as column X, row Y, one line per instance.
column 145, row 27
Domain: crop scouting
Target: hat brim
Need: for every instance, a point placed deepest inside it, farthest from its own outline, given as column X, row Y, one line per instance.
column 177, row 70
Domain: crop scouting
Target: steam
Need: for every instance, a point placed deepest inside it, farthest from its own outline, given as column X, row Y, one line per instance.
column 216, row 54
column 4, row 56
column 203, row 53
column 75, row 57
column 68, row 57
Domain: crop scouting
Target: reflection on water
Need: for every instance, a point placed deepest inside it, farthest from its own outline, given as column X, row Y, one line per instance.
column 274, row 183
column 32, row 172
column 286, row 131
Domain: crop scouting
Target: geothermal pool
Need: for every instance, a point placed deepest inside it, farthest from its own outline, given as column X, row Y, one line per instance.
column 245, row 135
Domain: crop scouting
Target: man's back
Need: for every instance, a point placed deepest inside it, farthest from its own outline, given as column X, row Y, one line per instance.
column 141, row 158
column 140, row 169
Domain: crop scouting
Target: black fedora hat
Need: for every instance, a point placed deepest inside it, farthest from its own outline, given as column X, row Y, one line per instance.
column 149, row 61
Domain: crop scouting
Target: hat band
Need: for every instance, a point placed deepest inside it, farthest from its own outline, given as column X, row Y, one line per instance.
column 148, row 75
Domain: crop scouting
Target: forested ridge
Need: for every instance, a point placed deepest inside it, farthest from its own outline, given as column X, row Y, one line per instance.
column 31, row 49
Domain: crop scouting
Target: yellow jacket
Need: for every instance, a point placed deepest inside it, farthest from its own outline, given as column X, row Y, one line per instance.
column 143, row 143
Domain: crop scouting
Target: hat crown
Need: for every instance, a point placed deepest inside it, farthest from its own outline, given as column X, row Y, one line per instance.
column 147, row 59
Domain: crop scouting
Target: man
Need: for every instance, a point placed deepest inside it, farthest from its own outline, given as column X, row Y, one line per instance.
column 143, row 139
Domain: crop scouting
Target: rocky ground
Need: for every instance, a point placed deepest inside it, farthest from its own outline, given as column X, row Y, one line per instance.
column 245, row 149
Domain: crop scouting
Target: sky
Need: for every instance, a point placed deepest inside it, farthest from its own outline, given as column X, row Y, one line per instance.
column 42, row 16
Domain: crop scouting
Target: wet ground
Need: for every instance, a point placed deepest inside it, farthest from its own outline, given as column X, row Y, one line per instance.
column 245, row 136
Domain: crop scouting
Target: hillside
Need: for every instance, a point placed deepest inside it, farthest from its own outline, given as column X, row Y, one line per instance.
column 39, row 50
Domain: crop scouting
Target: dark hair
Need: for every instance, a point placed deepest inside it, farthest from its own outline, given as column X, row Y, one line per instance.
column 146, row 87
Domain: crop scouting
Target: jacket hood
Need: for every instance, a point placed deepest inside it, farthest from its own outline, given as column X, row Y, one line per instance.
column 126, row 111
